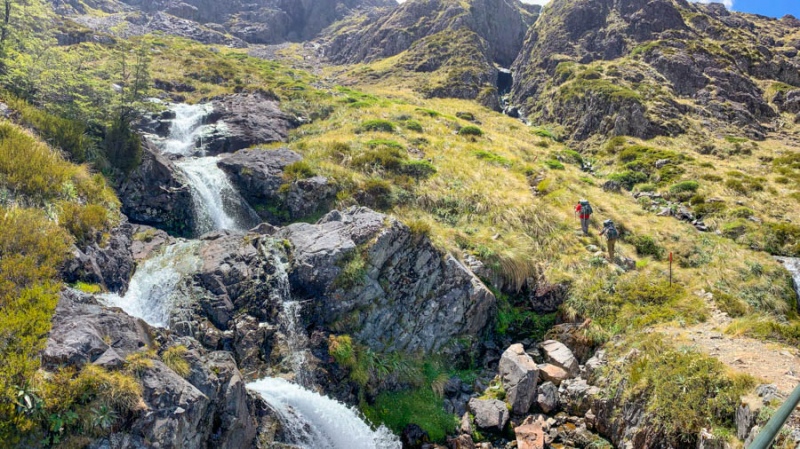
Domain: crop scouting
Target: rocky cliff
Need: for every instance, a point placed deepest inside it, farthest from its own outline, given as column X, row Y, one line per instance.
column 637, row 68
column 259, row 22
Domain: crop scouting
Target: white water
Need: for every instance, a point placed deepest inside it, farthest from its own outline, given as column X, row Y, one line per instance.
column 313, row 421
column 151, row 293
column 186, row 130
column 216, row 202
column 792, row 264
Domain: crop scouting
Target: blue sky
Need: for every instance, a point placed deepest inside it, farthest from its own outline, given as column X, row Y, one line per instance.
column 773, row 8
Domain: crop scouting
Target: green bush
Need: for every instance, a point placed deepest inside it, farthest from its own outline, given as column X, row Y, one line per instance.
column 353, row 270
column 470, row 130
column 123, row 147
column 554, row 164
column 492, row 157
column 646, row 246
column 414, row 125
column 741, row 212
column 735, row 229
column 379, row 193
column 386, row 157
column 378, row 125
column 546, row 133
column 468, row 116
column 628, row 179
column 644, row 290
column 729, row 304
column 298, row 170
column 417, row 169
column 684, row 186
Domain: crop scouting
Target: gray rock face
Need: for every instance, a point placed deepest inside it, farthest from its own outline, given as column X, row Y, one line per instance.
column 519, row 374
column 371, row 270
column 83, row 331
column 490, row 414
column 110, row 266
column 547, row 397
column 259, row 176
column 157, row 194
column 245, row 120
column 558, row 354
column 257, row 22
column 209, row 406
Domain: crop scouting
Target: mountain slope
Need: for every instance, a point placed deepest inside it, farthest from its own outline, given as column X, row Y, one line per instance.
column 629, row 67
column 451, row 47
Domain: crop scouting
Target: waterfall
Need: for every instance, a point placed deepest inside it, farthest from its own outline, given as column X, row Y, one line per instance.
column 217, row 203
column 792, row 264
column 152, row 293
column 313, row 421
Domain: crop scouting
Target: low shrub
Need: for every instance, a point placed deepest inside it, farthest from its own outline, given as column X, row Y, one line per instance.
column 385, row 157
column 546, row 133
column 298, row 170
column 468, row 116
column 684, row 186
column 470, row 130
column 414, row 125
column 378, row 125
column 175, row 358
column 386, row 143
column 646, row 246
column 628, row 179
column 353, row 270
column 492, row 157
column 554, row 164
column 417, row 169
column 729, row 304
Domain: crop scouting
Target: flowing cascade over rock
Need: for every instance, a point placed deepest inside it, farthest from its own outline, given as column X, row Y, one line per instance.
column 152, row 294
column 313, row 421
column 217, row 204
column 792, row 264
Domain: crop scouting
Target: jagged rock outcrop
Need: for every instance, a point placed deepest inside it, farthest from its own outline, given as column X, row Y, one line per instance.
column 110, row 266
column 213, row 22
column 209, row 406
column 369, row 275
column 260, row 177
column 243, row 120
column 157, row 194
column 594, row 66
column 462, row 39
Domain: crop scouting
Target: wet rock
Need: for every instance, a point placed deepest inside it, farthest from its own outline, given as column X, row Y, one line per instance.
column 157, row 194
column 259, row 176
column 547, row 397
column 519, row 375
column 544, row 296
column 243, row 120
column 490, row 414
column 530, row 434
column 558, row 354
column 110, row 266
column 83, row 331
column 413, row 437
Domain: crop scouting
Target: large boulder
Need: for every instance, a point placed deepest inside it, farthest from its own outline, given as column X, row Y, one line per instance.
column 519, row 375
column 530, row 434
column 83, row 331
column 243, row 120
column 372, row 277
column 259, row 175
column 559, row 355
column 490, row 414
column 157, row 194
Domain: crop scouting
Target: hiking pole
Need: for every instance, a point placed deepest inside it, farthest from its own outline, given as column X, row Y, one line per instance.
column 670, row 268
column 770, row 430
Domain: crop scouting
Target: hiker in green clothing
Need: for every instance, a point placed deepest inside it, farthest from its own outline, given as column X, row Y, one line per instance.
column 611, row 233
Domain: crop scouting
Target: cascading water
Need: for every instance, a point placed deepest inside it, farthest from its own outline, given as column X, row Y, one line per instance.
column 151, row 294
column 216, row 202
column 313, row 421
column 792, row 264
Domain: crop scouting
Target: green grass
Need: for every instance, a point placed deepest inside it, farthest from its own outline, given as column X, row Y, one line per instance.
column 470, row 130
column 378, row 125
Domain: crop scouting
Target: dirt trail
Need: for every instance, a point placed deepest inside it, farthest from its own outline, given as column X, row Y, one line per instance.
column 771, row 363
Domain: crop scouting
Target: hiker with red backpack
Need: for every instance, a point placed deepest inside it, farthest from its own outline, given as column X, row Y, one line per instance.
column 584, row 211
